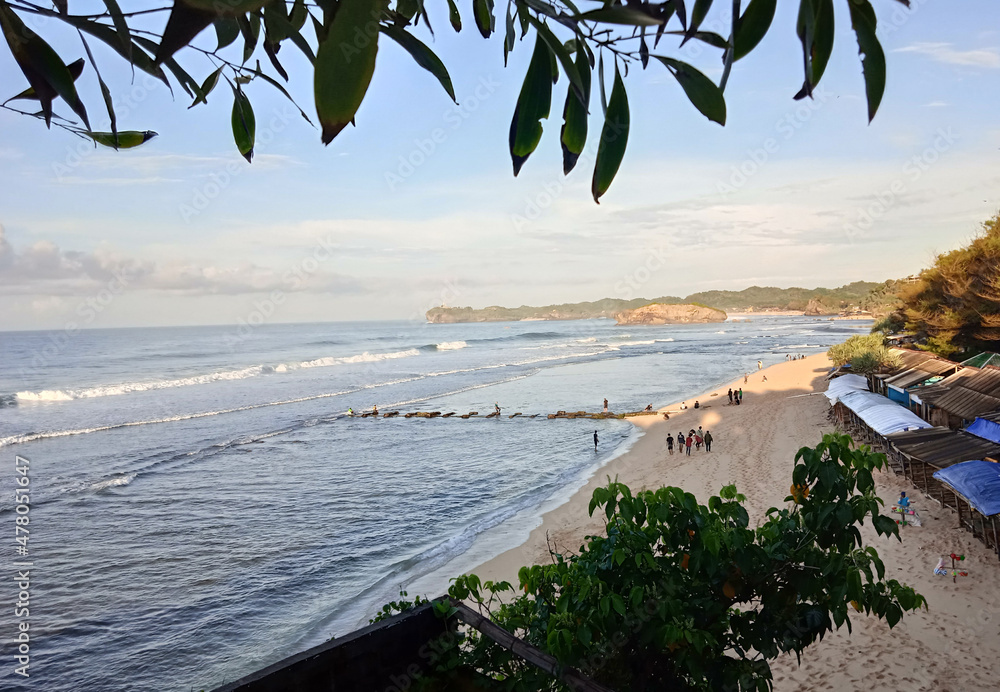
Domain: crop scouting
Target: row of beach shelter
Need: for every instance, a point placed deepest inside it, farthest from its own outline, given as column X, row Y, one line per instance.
column 955, row 465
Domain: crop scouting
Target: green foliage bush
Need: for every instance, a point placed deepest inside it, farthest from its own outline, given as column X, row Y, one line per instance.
column 679, row 595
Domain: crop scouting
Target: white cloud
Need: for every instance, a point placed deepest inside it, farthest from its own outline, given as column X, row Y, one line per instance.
column 936, row 104
column 943, row 52
column 44, row 270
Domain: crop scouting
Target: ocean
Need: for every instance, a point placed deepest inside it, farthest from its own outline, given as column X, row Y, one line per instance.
column 201, row 505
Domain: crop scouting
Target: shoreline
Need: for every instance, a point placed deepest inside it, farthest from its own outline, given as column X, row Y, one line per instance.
column 954, row 645
column 647, row 465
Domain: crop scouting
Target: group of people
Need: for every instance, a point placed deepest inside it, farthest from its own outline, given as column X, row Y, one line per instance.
column 694, row 438
column 792, row 356
column 735, row 397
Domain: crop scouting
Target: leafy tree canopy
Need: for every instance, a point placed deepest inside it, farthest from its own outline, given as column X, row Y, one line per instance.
column 866, row 354
column 340, row 39
column 954, row 306
column 683, row 596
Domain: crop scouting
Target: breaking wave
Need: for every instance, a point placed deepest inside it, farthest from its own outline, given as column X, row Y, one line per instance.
column 49, row 395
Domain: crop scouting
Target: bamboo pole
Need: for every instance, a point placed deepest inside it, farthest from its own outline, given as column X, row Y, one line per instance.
column 572, row 677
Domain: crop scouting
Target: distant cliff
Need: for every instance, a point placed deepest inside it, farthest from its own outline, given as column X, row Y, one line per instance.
column 660, row 313
column 607, row 307
column 755, row 299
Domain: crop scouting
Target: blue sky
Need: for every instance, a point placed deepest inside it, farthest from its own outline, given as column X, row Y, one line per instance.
column 787, row 193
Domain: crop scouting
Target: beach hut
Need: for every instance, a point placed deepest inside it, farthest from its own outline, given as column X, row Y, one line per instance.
column 976, row 485
column 871, row 417
column 909, row 360
column 918, row 454
column 927, row 372
column 958, row 399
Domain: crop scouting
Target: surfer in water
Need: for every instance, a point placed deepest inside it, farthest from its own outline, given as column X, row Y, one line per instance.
column 595, row 440
column 496, row 405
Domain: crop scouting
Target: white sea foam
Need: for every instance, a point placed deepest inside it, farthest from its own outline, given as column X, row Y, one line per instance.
column 637, row 343
column 663, row 341
column 451, row 345
column 114, row 482
column 589, row 339
column 221, row 376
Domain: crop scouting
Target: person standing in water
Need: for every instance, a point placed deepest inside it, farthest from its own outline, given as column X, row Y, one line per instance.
column 760, row 365
column 496, row 405
column 605, row 405
column 375, row 410
column 595, row 440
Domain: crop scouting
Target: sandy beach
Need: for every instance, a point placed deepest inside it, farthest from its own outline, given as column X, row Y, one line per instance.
column 955, row 645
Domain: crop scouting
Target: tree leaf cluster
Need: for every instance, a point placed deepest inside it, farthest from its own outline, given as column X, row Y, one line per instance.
column 341, row 40
column 674, row 594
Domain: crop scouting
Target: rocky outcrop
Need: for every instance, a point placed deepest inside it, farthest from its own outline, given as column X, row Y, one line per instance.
column 660, row 313
column 817, row 308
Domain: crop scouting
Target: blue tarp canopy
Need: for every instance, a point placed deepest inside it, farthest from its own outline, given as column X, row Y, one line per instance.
column 978, row 482
column 986, row 429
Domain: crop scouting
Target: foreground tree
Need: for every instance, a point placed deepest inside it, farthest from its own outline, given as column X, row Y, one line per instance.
column 340, row 38
column 679, row 595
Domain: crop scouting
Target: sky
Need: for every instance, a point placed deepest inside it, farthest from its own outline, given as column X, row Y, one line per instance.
column 417, row 205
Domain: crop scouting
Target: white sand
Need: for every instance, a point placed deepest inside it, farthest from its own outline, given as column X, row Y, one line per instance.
column 953, row 646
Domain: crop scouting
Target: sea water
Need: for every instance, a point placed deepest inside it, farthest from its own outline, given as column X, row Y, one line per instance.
column 201, row 505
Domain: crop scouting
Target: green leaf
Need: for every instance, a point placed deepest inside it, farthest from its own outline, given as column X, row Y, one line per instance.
column 454, row 17
column 250, row 28
column 206, row 87
column 244, row 124
column 614, row 138
column 227, row 30
column 558, row 49
column 139, row 58
column 872, row 56
column 128, row 139
column 701, row 91
column 423, row 55
column 345, row 63
column 618, row 604
column 45, row 71
column 184, row 24
column 620, row 15
column 573, row 136
column 533, row 104
column 698, row 14
column 121, row 26
column 482, row 12
column 753, row 25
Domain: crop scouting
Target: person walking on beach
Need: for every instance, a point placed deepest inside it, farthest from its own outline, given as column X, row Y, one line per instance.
column 741, row 395
column 708, row 440
column 730, row 396
column 746, row 377
column 760, row 365
column 670, row 444
column 700, row 433
column 605, row 405
column 595, row 440
column 687, row 444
